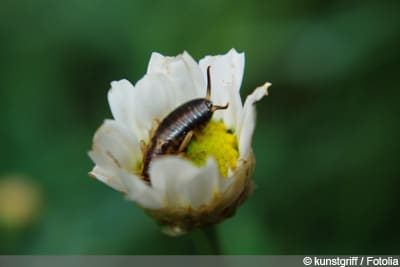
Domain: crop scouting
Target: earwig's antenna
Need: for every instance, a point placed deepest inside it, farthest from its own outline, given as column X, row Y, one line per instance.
column 208, row 95
column 214, row 108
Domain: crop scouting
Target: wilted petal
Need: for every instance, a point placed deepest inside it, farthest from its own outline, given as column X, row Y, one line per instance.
column 247, row 120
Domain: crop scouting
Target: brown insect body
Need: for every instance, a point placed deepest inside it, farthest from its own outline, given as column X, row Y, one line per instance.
column 191, row 116
column 177, row 126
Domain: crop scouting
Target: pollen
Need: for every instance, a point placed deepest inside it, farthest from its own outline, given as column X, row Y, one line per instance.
column 217, row 142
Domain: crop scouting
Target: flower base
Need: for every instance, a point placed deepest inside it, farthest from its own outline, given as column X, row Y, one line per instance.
column 176, row 221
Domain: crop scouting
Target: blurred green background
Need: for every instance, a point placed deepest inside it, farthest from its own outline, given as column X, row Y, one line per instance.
column 326, row 141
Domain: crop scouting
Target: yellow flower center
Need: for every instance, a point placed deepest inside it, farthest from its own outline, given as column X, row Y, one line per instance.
column 216, row 141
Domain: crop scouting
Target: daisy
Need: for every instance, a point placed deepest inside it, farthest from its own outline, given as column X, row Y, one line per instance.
column 211, row 177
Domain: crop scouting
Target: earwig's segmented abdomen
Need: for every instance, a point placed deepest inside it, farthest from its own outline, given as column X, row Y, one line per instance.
column 191, row 116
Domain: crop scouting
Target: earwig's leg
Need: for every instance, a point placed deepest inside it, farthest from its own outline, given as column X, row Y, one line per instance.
column 154, row 126
column 160, row 143
column 185, row 141
column 142, row 146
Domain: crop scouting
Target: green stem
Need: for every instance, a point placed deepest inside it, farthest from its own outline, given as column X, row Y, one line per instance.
column 206, row 241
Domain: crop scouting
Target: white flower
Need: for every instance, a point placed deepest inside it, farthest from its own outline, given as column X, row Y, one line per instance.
column 182, row 195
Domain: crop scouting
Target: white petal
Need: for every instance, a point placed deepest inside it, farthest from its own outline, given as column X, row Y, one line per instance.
column 121, row 99
column 226, row 78
column 182, row 184
column 140, row 192
column 154, row 99
column 247, row 121
column 201, row 189
column 118, row 143
column 195, row 74
column 106, row 171
column 184, row 74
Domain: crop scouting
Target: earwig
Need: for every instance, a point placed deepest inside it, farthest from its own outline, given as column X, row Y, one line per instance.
column 175, row 131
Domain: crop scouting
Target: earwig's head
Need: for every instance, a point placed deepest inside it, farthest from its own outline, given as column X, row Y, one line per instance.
column 208, row 101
